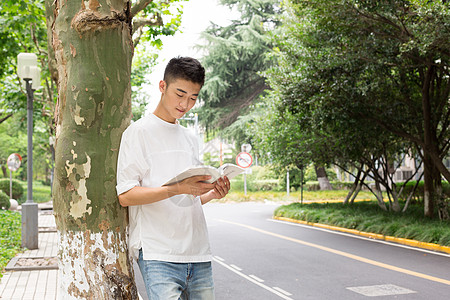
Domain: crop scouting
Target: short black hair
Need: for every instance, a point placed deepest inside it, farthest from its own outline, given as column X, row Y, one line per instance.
column 186, row 68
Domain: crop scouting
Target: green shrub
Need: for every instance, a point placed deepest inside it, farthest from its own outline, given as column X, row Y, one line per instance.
column 310, row 174
column 312, row 186
column 17, row 189
column 4, row 200
column 265, row 185
column 337, row 185
column 418, row 194
column 261, row 179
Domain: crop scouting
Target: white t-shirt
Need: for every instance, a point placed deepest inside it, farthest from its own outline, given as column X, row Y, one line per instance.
column 152, row 151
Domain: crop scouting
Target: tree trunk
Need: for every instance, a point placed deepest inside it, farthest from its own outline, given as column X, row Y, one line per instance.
column 359, row 187
column 440, row 201
column 5, row 174
column 428, row 189
column 379, row 195
column 395, row 203
column 351, row 192
column 322, row 177
column 429, row 146
column 93, row 49
column 411, row 194
column 354, row 188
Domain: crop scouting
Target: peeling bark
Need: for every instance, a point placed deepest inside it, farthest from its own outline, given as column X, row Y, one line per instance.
column 322, row 177
column 93, row 50
column 95, row 258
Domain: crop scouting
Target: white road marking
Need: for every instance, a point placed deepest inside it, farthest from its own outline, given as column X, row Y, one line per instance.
column 256, row 278
column 236, row 267
column 219, row 258
column 282, row 291
column 281, row 295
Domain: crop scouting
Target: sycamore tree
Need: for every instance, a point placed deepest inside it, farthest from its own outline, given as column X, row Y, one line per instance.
column 92, row 44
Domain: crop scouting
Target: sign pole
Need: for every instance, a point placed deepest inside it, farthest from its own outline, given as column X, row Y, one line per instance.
column 245, row 184
column 244, row 160
column 287, row 183
column 10, row 184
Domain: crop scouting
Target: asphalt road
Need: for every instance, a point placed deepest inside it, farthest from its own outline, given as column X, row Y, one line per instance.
column 256, row 257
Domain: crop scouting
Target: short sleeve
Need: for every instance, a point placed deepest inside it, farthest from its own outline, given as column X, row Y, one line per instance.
column 132, row 164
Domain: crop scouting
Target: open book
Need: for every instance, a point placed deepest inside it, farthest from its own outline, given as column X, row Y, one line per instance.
column 228, row 170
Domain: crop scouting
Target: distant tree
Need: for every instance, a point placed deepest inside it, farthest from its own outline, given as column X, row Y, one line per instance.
column 385, row 63
column 235, row 54
column 23, row 30
column 143, row 63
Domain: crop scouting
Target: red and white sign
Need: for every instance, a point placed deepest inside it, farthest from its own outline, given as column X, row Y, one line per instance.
column 244, row 160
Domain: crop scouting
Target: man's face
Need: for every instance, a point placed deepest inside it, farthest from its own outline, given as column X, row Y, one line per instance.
column 177, row 98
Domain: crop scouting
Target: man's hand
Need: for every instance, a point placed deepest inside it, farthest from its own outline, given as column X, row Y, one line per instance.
column 195, row 185
column 221, row 189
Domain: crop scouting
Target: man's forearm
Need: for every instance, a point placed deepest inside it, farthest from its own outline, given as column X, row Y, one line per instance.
column 145, row 195
column 138, row 195
column 205, row 199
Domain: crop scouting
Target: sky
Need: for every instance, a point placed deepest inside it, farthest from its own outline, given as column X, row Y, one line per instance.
column 197, row 15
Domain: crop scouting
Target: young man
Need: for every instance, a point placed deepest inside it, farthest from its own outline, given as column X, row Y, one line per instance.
column 168, row 232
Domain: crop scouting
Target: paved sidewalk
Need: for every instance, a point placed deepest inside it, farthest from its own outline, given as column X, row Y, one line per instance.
column 39, row 283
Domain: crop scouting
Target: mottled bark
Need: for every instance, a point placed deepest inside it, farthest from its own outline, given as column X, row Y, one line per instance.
column 322, row 177
column 50, row 16
column 93, row 51
column 352, row 189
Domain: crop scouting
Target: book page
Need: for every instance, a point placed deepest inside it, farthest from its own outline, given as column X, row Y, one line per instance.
column 195, row 171
column 231, row 170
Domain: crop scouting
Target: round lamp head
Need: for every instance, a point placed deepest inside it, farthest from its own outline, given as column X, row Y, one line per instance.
column 24, row 63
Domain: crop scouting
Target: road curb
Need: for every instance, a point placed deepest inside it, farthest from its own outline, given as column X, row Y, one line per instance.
column 403, row 241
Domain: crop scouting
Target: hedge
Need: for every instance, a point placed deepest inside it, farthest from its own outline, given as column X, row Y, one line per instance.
column 4, row 200
column 17, row 189
column 418, row 194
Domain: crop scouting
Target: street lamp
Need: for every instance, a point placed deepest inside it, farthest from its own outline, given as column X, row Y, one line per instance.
column 193, row 117
column 29, row 72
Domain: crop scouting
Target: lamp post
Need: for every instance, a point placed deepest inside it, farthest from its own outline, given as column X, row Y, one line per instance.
column 29, row 72
column 193, row 117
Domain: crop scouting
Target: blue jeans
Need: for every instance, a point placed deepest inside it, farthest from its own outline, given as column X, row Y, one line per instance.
column 167, row 281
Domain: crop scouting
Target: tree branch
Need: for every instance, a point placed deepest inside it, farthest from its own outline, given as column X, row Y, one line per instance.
column 139, row 6
column 138, row 38
column 141, row 22
column 240, row 103
column 3, row 119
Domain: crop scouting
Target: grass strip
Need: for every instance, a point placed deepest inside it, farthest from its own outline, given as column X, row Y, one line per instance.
column 41, row 192
column 368, row 217
column 10, row 237
column 236, row 195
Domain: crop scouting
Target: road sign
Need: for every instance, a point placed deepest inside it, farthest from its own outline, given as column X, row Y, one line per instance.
column 244, row 160
column 14, row 161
